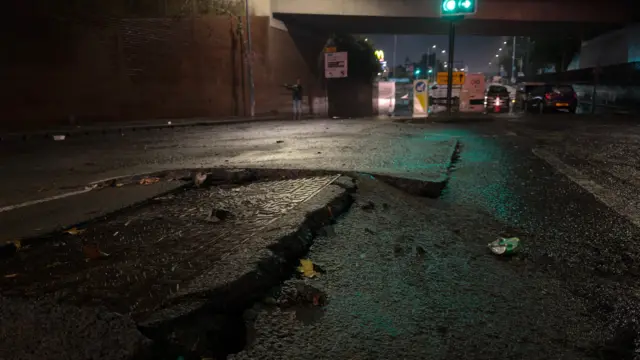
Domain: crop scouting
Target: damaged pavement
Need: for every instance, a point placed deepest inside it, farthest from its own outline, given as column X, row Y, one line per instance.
column 353, row 264
column 178, row 271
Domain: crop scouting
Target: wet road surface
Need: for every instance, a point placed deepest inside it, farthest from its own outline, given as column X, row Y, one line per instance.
column 414, row 279
column 39, row 169
column 421, row 283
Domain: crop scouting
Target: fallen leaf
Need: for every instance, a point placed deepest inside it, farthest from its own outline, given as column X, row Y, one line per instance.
column 10, row 276
column 306, row 268
column 92, row 252
column 16, row 243
column 75, row 231
column 149, row 181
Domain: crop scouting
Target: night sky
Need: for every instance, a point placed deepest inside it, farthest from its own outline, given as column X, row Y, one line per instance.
column 474, row 51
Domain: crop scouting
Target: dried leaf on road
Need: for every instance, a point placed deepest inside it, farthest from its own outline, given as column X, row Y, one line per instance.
column 306, row 268
column 10, row 276
column 149, row 181
column 74, row 231
column 16, row 243
column 92, row 252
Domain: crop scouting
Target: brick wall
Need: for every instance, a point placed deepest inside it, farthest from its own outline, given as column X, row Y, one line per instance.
column 150, row 68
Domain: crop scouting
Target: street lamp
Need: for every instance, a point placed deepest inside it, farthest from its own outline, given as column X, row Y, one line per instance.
column 433, row 47
column 505, row 43
column 497, row 55
column 444, row 51
column 500, row 49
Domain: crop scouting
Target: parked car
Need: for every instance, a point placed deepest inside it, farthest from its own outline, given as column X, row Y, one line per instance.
column 496, row 99
column 523, row 93
column 552, row 97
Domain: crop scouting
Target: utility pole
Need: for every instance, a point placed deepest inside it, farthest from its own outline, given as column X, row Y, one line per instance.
column 452, row 42
column 252, row 99
column 395, row 47
column 513, row 62
column 454, row 10
column 428, row 63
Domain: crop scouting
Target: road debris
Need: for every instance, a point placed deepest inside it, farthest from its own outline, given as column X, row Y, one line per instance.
column 218, row 215
column 199, row 179
column 93, row 252
column 115, row 183
column 74, row 231
column 279, row 141
column 504, row 246
column 149, row 180
column 297, row 293
column 306, row 268
column 369, row 206
column 16, row 243
column 327, row 231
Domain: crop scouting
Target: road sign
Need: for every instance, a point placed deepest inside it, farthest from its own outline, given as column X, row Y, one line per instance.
column 458, row 78
column 420, row 98
column 336, row 65
column 330, row 49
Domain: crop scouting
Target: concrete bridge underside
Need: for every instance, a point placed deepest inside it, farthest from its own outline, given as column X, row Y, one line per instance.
column 494, row 17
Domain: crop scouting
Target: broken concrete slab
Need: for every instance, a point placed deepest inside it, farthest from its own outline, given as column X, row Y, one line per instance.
column 235, row 282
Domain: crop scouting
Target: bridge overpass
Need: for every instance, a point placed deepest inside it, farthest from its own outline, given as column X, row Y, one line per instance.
column 307, row 24
column 494, row 17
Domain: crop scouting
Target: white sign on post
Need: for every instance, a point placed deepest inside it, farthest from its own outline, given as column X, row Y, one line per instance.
column 336, row 65
column 386, row 97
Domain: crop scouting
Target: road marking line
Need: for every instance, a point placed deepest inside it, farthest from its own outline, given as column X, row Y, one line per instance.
column 39, row 201
column 603, row 194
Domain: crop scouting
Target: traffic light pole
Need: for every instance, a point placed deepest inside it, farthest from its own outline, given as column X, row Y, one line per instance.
column 452, row 41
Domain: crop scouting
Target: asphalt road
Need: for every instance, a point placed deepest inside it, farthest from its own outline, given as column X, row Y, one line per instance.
column 37, row 169
column 566, row 185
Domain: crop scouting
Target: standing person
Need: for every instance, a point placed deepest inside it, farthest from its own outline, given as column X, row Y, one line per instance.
column 296, row 92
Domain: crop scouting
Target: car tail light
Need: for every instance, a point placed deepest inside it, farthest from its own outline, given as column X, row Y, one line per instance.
column 497, row 101
column 547, row 96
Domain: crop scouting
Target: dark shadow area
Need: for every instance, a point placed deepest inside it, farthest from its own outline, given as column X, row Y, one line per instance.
column 470, row 26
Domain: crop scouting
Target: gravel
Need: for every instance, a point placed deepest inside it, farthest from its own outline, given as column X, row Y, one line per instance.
column 417, row 288
column 66, row 332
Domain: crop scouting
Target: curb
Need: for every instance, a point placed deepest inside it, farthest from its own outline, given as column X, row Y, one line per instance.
column 159, row 125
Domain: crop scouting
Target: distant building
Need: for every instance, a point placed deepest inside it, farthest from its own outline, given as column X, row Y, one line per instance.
column 616, row 47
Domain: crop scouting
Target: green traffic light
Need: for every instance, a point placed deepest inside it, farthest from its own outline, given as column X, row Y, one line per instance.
column 458, row 7
column 430, row 71
column 450, row 5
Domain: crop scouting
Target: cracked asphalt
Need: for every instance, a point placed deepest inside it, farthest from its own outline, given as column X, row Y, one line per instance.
column 414, row 279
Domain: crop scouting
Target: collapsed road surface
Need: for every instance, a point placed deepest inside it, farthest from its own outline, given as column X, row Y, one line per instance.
column 394, row 273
